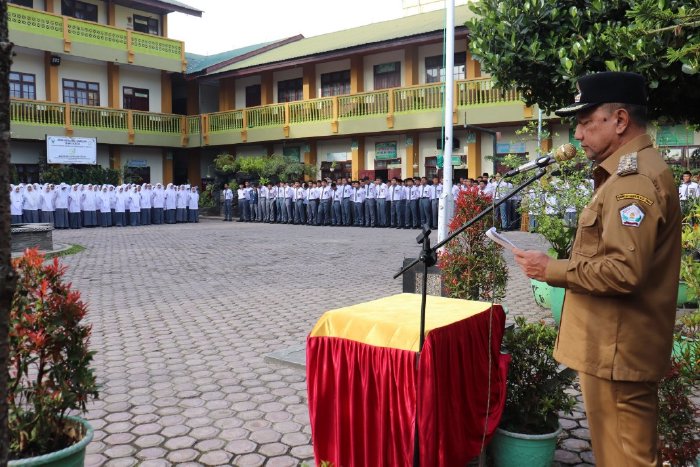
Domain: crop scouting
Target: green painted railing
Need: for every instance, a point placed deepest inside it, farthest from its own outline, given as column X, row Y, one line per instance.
column 225, row 121
column 363, row 105
column 482, row 91
column 147, row 122
column 98, row 118
column 387, row 102
column 37, row 113
column 267, row 115
column 194, row 124
column 87, row 32
column 419, row 98
column 97, row 34
column 315, row 110
column 36, row 22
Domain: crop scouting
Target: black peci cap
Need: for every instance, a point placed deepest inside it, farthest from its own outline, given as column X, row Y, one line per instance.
column 605, row 87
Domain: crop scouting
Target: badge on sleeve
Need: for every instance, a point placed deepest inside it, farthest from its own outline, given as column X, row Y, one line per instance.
column 631, row 216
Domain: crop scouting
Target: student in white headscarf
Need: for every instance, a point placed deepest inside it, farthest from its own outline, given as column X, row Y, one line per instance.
column 170, row 204
column 193, row 205
column 146, row 203
column 105, row 207
column 89, row 205
column 61, row 205
column 134, row 206
column 182, row 196
column 31, row 201
column 74, row 205
column 120, row 201
column 16, row 199
column 112, row 200
column 158, row 204
column 48, row 204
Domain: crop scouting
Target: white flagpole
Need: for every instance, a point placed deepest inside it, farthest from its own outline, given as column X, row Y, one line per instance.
column 446, row 201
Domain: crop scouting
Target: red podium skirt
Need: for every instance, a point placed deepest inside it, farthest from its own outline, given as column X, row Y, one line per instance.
column 363, row 381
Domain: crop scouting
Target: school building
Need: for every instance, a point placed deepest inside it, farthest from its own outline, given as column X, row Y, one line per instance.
column 366, row 101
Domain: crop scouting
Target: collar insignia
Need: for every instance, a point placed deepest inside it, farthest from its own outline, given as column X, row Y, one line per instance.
column 627, row 165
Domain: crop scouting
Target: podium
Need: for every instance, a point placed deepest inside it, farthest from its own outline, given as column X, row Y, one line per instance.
column 363, row 380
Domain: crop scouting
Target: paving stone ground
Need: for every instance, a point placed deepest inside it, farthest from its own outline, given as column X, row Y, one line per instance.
column 183, row 317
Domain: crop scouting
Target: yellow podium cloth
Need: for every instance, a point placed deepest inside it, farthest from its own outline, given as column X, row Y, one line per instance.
column 394, row 321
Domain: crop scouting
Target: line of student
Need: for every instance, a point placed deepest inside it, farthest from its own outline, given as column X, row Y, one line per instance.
column 78, row 206
column 402, row 204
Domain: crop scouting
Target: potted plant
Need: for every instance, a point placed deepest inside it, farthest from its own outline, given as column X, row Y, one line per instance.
column 472, row 266
column 50, row 378
column 554, row 206
column 536, row 393
column 689, row 284
column 679, row 416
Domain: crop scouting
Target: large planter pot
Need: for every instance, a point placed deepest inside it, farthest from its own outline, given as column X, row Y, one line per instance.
column 557, row 301
column 516, row 449
column 72, row 456
column 682, row 293
column 542, row 292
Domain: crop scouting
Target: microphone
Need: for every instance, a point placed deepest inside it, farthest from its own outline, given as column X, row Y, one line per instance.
column 563, row 153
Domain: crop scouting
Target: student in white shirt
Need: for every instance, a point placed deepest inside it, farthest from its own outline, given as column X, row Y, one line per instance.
column 16, row 204
column 688, row 189
column 337, row 216
column 325, row 195
column 158, row 203
column 412, row 194
column 271, row 201
column 61, row 205
column 228, row 202
column 262, row 204
column 312, row 196
column 105, row 207
column 193, row 205
column 31, row 202
column 370, row 203
column 242, row 204
column 298, row 198
column 382, row 192
column 358, row 198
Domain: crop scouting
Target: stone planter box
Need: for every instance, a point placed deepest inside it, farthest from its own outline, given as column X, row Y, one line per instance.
column 23, row 236
column 413, row 279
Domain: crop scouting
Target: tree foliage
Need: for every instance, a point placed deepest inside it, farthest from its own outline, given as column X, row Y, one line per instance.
column 541, row 47
column 272, row 168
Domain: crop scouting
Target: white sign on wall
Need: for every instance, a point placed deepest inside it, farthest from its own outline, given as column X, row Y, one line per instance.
column 67, row 150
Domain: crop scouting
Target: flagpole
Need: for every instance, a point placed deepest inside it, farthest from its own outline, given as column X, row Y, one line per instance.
column 446, row 202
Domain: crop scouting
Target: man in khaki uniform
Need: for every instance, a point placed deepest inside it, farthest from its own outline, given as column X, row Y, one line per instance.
column 622, row 277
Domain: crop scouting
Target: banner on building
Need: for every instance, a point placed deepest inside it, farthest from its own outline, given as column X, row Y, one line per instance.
column 675, row 135
column 67, row 150
column 385, row 151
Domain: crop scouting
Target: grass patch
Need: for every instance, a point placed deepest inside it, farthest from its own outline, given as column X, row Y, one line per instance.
column 73, row 249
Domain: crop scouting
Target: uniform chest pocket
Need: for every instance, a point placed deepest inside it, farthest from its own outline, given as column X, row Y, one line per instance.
column 588, row 236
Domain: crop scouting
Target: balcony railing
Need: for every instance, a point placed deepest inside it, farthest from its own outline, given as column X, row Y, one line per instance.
column 71, row 30
column 334, row 110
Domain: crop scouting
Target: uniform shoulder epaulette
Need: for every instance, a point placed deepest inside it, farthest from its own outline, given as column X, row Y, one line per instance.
column 627, row 165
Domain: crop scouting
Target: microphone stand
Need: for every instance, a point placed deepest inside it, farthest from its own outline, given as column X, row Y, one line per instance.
column 428, row 256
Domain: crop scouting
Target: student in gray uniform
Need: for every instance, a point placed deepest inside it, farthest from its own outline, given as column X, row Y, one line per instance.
column 271, row 202
column 228, row 201
column 337, row 201
column 324, row 210
column 411, row 216
column 299, row 209
column 288, row 195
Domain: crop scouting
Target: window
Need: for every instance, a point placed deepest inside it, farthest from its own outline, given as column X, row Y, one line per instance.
column 135, row 99
column 290, row 90
column 81, row 92
column 22, row 85
column 252, row 95
column 25, row 3
column 435, row 70
column 335, row 84
column 78, row 9
column 387, row 75
column 146, row 25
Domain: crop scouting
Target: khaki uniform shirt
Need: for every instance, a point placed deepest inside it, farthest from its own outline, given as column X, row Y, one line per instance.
column 622, row 277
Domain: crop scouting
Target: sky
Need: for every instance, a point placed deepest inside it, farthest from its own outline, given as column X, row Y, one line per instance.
column 230, row 24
